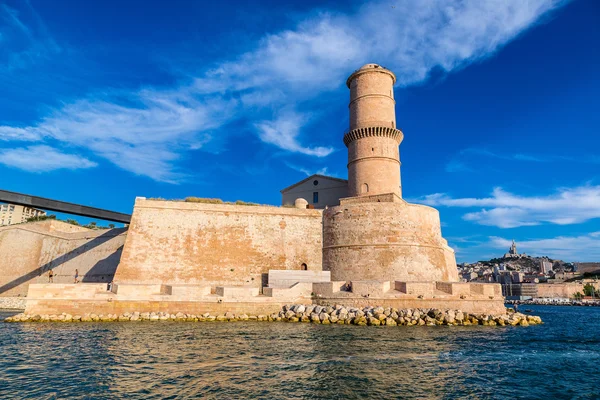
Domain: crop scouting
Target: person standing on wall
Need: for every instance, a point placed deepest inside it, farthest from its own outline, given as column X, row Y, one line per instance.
column 76, row 276
column 50, row 276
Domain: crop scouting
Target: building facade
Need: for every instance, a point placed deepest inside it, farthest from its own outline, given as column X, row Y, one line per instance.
column 545, row 267
column 11, row 214
column 319, row 191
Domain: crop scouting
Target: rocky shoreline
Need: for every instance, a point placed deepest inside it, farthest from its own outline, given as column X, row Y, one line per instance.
column 371, row 316
column 556, row 302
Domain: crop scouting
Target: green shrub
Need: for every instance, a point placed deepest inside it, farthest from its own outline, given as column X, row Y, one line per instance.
column 41, row 218
column 202, row 200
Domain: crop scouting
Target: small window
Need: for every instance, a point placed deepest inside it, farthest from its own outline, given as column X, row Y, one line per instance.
column 365, row 188
column 315, row 197
column 315, row 182
column 304, row 267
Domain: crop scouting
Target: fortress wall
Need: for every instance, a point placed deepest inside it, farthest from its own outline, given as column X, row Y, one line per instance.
column 560, row 290
column 386, row 241
column 194, row 243
column 101, row 306
column 30, row 250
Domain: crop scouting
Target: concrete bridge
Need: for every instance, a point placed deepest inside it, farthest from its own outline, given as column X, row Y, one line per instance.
column 62, row 206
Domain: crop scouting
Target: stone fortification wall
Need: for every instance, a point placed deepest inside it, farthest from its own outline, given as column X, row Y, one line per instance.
column 13, row 303
column 588, row 267
column 386, row 242
column 30, row 250
column 215, row 244
column 561, row 290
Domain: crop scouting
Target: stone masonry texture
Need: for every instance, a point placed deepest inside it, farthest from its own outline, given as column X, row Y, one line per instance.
column 29, row 250
column 215, row 244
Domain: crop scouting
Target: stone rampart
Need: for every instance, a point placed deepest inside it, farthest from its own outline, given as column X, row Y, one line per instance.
column 217, row 245
column 561, row 290
column 385, row 241
column 12, row 303
column 30, row 250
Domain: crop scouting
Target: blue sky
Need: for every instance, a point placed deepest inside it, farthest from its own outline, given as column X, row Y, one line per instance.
column 498, row 101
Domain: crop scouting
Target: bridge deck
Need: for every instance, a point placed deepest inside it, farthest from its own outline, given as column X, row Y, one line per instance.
column 62, row 206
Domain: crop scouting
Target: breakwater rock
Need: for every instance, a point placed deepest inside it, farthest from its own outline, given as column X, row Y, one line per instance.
column 372, row 316
column 557, row 302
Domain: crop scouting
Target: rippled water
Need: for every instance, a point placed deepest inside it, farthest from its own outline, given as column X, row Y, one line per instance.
column 145, row 360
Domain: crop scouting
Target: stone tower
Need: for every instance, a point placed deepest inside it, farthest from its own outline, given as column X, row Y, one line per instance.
column 374, row 234
column 373, row 140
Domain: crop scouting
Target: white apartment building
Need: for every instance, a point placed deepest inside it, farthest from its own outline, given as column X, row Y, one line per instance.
column 11, row 214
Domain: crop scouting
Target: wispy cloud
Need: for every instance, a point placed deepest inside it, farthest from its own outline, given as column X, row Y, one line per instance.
column 283, row 132
column 585, row 247
column 23, row 44
column 308, row 171
column 272, row 85
column 460, row 162
column 28, row 134
column 42, row 159
column 507, row 210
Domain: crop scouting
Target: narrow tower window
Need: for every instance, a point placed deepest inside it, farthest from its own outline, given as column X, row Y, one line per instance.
column 365, row 188
column 315, row 197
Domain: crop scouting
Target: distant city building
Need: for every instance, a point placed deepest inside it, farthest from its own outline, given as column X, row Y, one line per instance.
column 520, row 291
column 469, row 276
column 513, row 253
column 545, row 266
column 517, row 277
column 318, row 190
column 11, row 214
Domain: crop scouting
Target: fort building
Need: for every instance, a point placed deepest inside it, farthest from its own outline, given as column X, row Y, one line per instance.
column 319, row 191
column 360, row 243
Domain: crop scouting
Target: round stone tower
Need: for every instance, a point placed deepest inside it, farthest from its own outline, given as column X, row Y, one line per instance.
column 374, row 234
column 373, row 140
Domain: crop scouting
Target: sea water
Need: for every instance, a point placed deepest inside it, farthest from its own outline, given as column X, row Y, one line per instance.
column 270, row 360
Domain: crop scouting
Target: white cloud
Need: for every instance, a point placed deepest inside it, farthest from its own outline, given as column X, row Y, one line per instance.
column 19, row 134
column 283, row 133
column 42, row 158
column 585, row 247
column 145, row 131
column 507, row 210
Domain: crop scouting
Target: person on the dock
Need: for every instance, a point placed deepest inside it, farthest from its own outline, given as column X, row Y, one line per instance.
column 76, row 276
column 50, row 276
column 516, row 307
